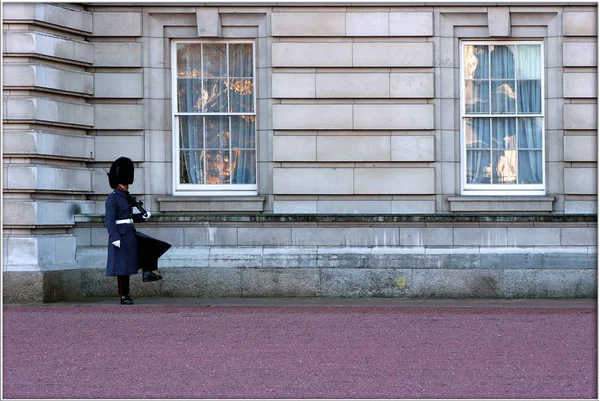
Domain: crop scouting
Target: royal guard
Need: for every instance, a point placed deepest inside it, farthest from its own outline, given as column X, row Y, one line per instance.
column 128, row 249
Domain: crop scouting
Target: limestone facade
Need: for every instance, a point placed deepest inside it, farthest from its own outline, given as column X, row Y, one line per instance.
column 358, row 152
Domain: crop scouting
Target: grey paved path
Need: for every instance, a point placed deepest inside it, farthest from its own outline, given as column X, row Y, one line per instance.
column 301, row 348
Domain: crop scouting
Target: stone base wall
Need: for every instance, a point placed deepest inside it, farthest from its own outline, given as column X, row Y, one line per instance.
column 338, row 256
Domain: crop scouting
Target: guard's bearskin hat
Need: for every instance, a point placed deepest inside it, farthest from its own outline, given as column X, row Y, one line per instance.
column 121, row 172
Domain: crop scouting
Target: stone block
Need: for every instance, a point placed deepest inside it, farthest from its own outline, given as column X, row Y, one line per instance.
column 56, row 14
column 308, row 24
column 528, row 283
column 456, row 283
column 412, row 85
column 533, row 236
column 580, row 148
column 353, row 148
column 580, row 23
column 353, row 207
column 401, row 181
column 110, row 147
column 581, row 181
column 19, row 212
column 367, row 24
column 413, row 148
column 289, row 257
column 337, row 236
column 581, row 207
column 361, row 283
column 49, row 178
column 29, row 75
column 566, row 258
column 413, row 23
column 95, row 283
column 578, row 236
column 503, row 204
column 499, row 22
column 107, row 54
column 312, row 54
column 403, row 257
column 118, row 116
column 21, row 287
column 294, row 207
column 510, row 258
column 22, row 254
column 280, row 282
column 303, row 181
column 117, row 24
column 48, row 45
column 264, row 236
column 118, row 85
column 392, row 54
column 580, row 85
column 424, row 236
column 172, row 235
column 466, row 236
column 580, row 116
column 393, row 116
column 309, row 116
column 239, row 257
column 194, row 236
column 352, row 85
column 208, row 21
column 213, row 283
column 293, row 85
column 196, row 257
column 83, row 236
column 294, row 148
column 49, row 110
column 580, row 54
column 413, row 207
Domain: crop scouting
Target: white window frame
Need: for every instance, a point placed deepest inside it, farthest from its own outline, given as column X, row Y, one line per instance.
column 181, row 189
column 500, row 189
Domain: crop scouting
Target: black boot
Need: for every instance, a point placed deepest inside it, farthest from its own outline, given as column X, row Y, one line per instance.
column 126, row 300
column 151, row 276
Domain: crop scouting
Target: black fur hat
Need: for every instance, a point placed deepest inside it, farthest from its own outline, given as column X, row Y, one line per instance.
column 121, row 172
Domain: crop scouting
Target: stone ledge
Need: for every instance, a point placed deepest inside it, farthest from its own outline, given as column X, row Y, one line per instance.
column 222, row 204
column 351, row 218
column 501, row 204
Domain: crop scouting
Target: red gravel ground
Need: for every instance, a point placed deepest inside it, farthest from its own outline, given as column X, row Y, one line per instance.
column 298, row 352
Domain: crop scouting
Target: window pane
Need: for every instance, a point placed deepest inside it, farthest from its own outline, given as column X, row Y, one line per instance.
column 217, row 132
column 529, row 96
column 240, row 61
column 477, row 95
column 191, row 170
column 505, row 166
column 530, row 166
column 189, row 98
column 503, row 97
column 217, row 167
column 476, row 62
column 215, row 96
column 502, row 59
column 243, row 132
column 215, row 60
column 243, row 167
column 190, row 132
column 477, row 133
column 241, row 95
column 478, row 166
column 529, row 62
column 530, row 133
column 504, row 133
column 188, row 60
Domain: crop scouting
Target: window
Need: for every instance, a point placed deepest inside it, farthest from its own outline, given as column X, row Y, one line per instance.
column 502, row 118
column 214, row 118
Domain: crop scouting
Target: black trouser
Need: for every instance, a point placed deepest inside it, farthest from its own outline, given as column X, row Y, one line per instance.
column 123, row 282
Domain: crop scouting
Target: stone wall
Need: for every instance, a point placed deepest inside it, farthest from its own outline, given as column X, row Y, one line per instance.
column 357, row 114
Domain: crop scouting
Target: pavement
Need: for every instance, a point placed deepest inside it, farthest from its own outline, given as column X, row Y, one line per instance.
column 299, row 348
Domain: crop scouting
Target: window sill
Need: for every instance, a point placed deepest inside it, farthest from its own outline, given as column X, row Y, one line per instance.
column 208, row 204
column 501, row 204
